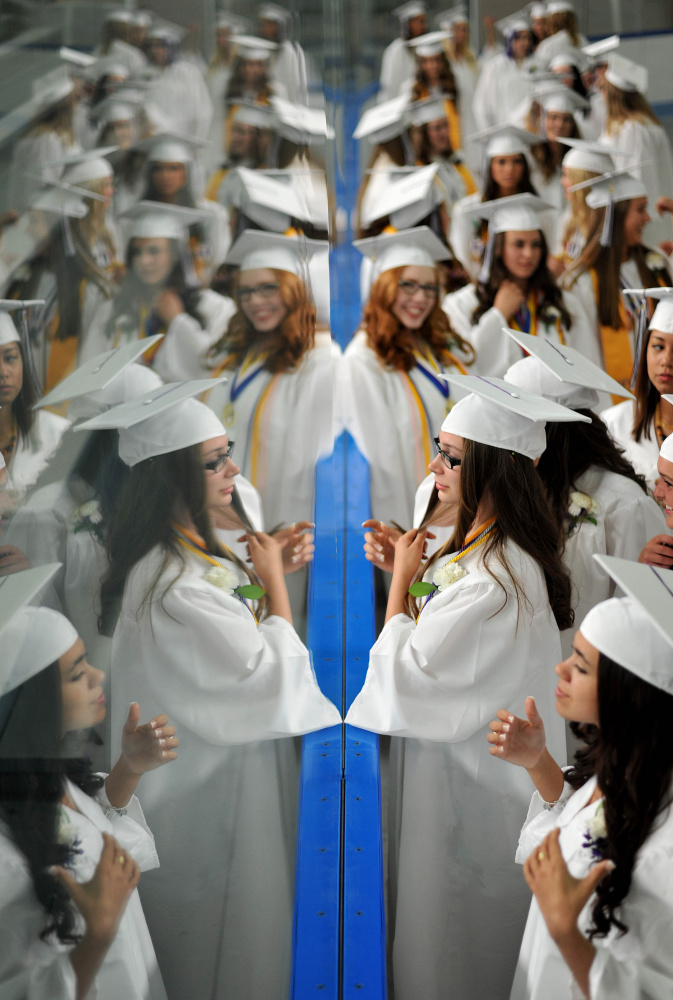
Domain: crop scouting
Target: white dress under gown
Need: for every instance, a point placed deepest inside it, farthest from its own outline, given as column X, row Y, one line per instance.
column 31, row 969
column 457, row 902
column 636, row 966
column 224, row 813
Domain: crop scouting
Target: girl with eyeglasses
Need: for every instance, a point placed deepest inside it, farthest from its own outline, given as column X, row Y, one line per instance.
column 227, row 664
column 391, row 369
column 480, row 616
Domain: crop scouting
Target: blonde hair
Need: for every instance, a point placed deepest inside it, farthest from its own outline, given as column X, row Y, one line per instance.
column 623, row 105
column 581, row 215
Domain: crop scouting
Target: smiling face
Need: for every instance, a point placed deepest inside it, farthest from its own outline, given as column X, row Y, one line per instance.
column 81, row 690
column 260, row 299
column 11, row 373
column 412, row 308
column 635, row 220
column 577, row 690
column 220, row 484
column 447, row 481
column 152, row 259
column 507, row 172
column 522, row 253
column 664, row 490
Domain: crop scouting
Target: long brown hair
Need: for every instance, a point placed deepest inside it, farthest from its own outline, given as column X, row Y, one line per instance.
column 546, row 154
column 581, row 216
column 143, row 519
column 448, row 85
column 510, row 481
column 392, row 343
column 647, row 396
column 624, row 104
column 541, row 280
column 566, row 21
column 607, row 262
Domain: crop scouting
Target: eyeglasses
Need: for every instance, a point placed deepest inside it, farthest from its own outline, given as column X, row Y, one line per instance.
column 449, row 461
column 219, row 463
column 411, row 287
column 264, row 291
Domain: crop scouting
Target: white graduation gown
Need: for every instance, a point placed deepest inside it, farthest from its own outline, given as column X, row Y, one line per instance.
column 638, row 965
column 466, row 76
column 555, row 45
column 393, row 417
column 626, row 520
column 180, row 92
column 644, row 454
column 31, row 969
column 495, row 350
column 503, row 84
column 32, row 455
column 397, row 65
column 456, row 895
column 281, row 425
column 224, row 813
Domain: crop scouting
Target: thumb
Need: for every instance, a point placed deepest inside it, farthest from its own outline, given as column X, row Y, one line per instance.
column 532, row 713
column 597, row 874
column 133, row 718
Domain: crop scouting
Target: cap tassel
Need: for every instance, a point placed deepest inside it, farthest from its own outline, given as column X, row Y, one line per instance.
column 29, row 360
column 641, row 326
column 487, row 260
column 608, row 224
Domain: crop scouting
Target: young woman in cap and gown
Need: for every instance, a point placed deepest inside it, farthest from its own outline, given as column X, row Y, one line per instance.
column 613, row 260
column 177, row 87
column 657, row 552
column 563, row 32
column 504, row 80
column 72, row 844
column 288, row 72
column 431, row 139
column 117, row 41
column 632, row 126
column 386, row 128
column 601, row 505
column 507, row 173
column 390, row 373
column 515, row 288
column 27, row 437
column 434, row 78
column 465, row 69
column 597, row 849
column 232, row 672
column 499, row 594
column 162, row 294
column 249, row 80
column 398, row 63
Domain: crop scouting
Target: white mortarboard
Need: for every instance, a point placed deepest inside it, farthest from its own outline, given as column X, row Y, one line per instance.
column 116, row 109
column 31, row 638
column 383, row 121
column 62, row 199
column 414, row 8
column 300, row 124
column 89, row 165
column 591, row 156
column 455, row 15
column 169, row 147
column 270, row 203
column 8, row 332
column 109, row 66
column 163, row 420
column 596, row 49
column 613, row 185
column 272, row 12
column 560, row 373
column 75, row 57
column 662, row 318
column 254, row 249
column 406, row 248
column 497, row 414
column 560, row 7
column 626, row 75
column 157, row 219
column 429, row 110
column 92, row 377
column 505, row 140
column 167, row 31
column 666, row 450
column 635, row 631
column 253, row 48
column 561, row 99
column 124, row 15
column 309, row 186
column 537, row 10
column 517, row 212
column 237, row 25
column 49, row 89
column 250, row 113
column 513, row 23
column 406, row 199
column 429, row 44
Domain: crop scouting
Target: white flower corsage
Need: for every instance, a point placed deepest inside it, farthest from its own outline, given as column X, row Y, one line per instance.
column 66, row 835
column 223, row 578
column 596, row 834
column 448, row 574
column 581, row 508
column 654, row 261
column 88, row 517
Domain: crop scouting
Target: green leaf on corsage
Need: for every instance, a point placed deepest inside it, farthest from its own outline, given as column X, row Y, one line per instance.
column 250, row 591
column 421, row 589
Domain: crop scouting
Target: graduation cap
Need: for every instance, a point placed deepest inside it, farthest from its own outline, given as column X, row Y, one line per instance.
column 166, row 32
column 169, row 147
column 384, row 121
column 254, row 249
column 406, row 248
column 502, row 416
column 89, row 165
column 557, row 97
column 8, row 331
column 606, row 190
column 560, row 7
column 513, row 23
column 163, row 420
column 76, row 58
column 237, row 25
column 253, row 48
column 62, row 199
column 49, row 89
column 117, row 109
column 31, row 638
column 406, row 11
column 429, row 44
column 560, row 373
column 251, row 113
column 592, row 156
column 94, row 376
column 570, row 57
column 505, row 140
column 269, row 201
column 626, row 75
column 455, row 15
column 516, row 213
column 300, row 124
column 635, row 631
column 429, row 110
column 537, row 11
column 406, row 200
column 158, row 219
column 272, row 12
column 597, row 49
column 662, row 318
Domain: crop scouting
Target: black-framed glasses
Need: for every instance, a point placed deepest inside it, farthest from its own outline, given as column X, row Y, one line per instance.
column 219, row 463
column 411, row 287
column 264, row 291
column 449, row 461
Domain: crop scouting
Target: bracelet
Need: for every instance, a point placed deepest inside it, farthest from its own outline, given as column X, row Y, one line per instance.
column 549, row 805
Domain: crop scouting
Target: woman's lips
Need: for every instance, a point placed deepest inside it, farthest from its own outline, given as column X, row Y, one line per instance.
column 558, row 693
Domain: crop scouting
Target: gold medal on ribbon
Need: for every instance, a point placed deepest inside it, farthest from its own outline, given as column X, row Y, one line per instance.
column 228, row 417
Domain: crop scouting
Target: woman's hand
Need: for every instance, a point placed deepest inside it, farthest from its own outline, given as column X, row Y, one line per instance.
column 168, row 305
column 664, row 204
column 266, row 555
column 298, row 545
column 657, row 552
column 409, row 553
column 147, row 747
column 508, row 299
column 380, row 544
column 102, row 900
column 12, row 560
column 561, row 897
column 517, row 740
